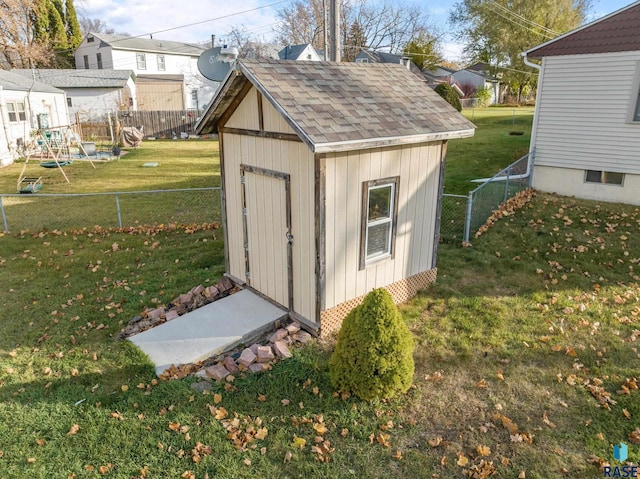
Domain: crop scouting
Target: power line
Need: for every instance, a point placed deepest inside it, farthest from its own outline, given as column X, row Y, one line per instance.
column 518, row 23
column 524, row 19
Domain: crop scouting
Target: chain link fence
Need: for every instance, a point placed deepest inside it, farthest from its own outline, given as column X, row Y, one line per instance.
column 40, row 212
column 463, row 215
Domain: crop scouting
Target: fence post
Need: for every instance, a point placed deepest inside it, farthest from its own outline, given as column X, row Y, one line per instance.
column 118, row 208
column 467, row 222
column 4, row 216
column 506, row 186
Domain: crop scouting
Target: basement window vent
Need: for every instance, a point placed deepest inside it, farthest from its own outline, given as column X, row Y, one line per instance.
column 604, row 177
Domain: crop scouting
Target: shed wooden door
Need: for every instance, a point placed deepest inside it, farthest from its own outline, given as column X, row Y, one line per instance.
column 267, row 233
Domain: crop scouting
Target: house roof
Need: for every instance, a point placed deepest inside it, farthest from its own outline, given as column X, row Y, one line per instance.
column 293, row 52
column 9, row 80
column 343, row 106
column 384, row 57
column 67, row 78
column 179, row 78
column 122, row 42
column 616, row 32
column 440, row 71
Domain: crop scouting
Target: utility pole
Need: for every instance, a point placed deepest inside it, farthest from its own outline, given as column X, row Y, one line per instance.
column 335, row 30
column 324, row 30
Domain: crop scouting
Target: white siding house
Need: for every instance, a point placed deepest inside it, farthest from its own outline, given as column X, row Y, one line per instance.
column 148, row 57
column 302, row 52
column 332, row 178
column 586, row 131
column 90, row 93
column 478, row 80
column 22, row 100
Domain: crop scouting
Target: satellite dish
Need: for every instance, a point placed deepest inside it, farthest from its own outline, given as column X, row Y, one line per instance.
column 216, row 62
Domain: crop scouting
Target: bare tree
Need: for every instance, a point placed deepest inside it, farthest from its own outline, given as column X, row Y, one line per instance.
column 19, row 46
column 378, row 25
column 94, row 25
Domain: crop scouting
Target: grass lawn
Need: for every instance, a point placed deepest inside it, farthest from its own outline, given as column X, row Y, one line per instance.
column 491, row 149
column 525, row 362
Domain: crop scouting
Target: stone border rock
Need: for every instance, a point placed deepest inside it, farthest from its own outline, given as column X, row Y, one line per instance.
column 195, row 298
column 260, row 356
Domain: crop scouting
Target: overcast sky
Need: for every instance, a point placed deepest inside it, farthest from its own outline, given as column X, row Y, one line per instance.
column 197, row 20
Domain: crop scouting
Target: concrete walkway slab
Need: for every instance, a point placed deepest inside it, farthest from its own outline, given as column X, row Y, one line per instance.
column 208, row 331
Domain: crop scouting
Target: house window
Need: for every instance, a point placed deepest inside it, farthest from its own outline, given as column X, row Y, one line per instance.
column 90, row 39
column 99, row 60
column 141, row 61
column 362, row 60
column 604, row 177
column 194, row 99
column 69, row 102
column 85, row 58
column 16, row 111
column 161, row 66
column 379, row 212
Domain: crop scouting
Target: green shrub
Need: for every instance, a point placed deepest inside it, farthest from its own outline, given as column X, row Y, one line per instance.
column 447, row 92
column 373, row 357
column 484, row 95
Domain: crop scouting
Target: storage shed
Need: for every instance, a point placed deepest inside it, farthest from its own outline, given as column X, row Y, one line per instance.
column 332, row 178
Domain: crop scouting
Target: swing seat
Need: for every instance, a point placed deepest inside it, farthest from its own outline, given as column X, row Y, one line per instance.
column 29, row 185
column 55, row 164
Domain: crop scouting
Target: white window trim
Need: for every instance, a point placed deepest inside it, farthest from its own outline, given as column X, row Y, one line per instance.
column 634, row 103
column 17, row 112
column 141, row 59
column 367, row 186
column 161, row 62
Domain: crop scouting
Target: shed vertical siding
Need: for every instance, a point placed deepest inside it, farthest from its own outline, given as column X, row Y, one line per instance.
column 418, row 167
column 583, row 113
column 293, row 158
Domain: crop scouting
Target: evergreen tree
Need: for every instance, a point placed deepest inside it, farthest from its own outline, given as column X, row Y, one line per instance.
column 57, row 31
column 74, row 33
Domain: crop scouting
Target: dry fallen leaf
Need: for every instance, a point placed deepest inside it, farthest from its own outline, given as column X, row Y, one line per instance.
column 299, row 442
column 435, row 442
column 483, row 450
column 74, row 430
column 626, row 413
column 462, row 460
column 287, row 456
column 546, row 420
column 398, row 455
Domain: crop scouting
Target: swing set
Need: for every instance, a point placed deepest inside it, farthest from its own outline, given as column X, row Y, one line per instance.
column 54, row 147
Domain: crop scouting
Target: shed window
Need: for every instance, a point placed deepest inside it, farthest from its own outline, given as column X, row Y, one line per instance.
column 380, row 209
column 141, row 61
column 604, row 177
column 99, row 60
column 16, row 111
column 161, row 66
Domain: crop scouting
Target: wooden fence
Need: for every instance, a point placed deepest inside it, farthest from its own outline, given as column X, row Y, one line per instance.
column 158, row 124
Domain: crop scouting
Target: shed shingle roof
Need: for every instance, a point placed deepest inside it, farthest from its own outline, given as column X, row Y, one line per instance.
column 344, row 106
column 617, row 32
column 68, row 78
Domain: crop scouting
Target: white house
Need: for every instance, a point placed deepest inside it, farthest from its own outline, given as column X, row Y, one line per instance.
column 173, row 65
column 586, row 130
column 302, row 52
column 332, row 179
column 25, row 105
column 90, row 93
